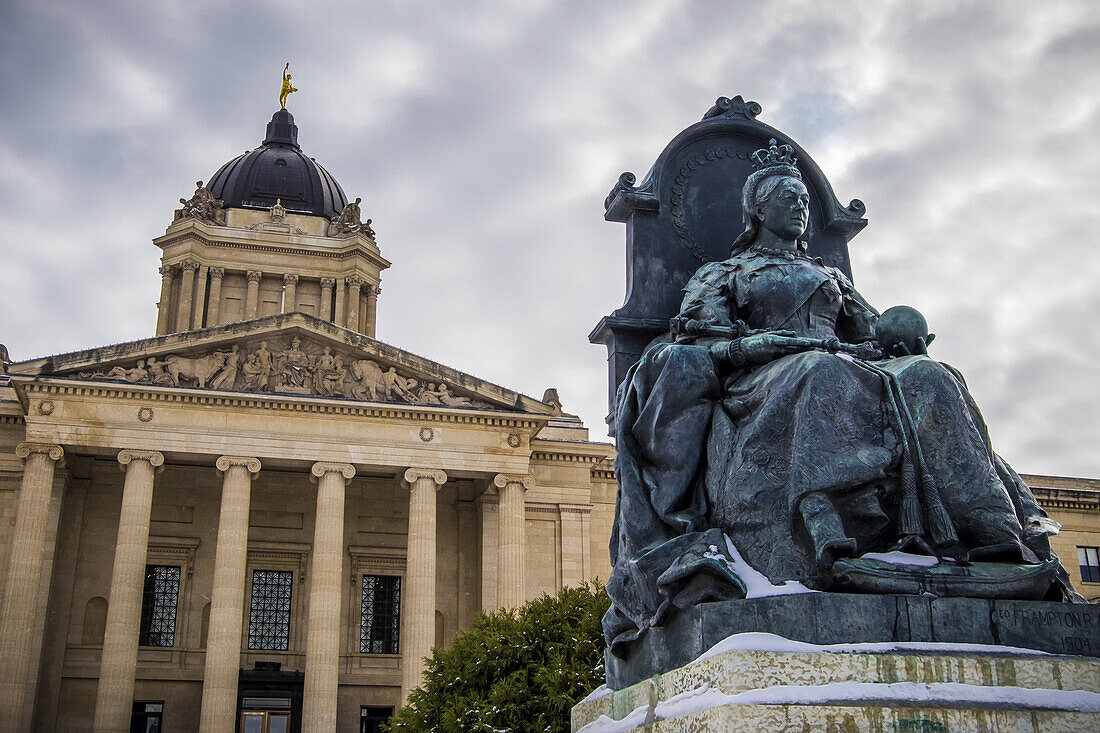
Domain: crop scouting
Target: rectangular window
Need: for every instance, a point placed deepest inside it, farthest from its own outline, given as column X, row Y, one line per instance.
column 269, row 615
column 371, row 719
column 146, row 717
column 381, row 622
column 158, row 605
column 1089, row 559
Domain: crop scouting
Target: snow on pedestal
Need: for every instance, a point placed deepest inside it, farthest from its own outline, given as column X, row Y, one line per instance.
column 760, row 681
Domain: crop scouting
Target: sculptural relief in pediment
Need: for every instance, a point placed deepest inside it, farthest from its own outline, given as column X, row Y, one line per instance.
column 289, row 365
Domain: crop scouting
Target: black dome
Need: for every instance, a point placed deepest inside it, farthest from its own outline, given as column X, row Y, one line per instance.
column 278, row 169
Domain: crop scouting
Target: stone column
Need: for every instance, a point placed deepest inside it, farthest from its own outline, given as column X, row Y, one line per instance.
column 339, row 319
column 511, row 539
column 372, row 311
column 200, row 298
column 326, row 299
column 418, row 611
column 354, row 284
column 164, row 317
column 187, row 291
column 290, row 293
column 323, row 631
column 214, row 309
column 252, row 297
column 115, row 696
column 223, row 638
column 25, row 569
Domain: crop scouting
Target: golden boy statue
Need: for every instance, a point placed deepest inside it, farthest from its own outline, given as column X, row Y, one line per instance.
column 287, row 88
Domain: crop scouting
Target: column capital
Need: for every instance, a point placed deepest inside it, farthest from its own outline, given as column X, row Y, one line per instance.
column 503, row 479
column 290, row 279
column 189, row 265
column 167, row 270
column 254, row 276
column 54, row 451
column 152, row 457
column 355, row 281
column 217, row 272
column 436, row 475
column 223, row 463
column 322, row 467
column 328, row 282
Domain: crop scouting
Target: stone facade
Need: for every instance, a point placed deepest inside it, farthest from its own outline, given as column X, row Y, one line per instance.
column 221, row 482
column 213, row 520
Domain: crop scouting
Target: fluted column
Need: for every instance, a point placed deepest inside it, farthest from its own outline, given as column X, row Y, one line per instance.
column 252, row 296
column 290, row 293
column 323, row 634
column 214, row 309
column 511, row 539
column 339, row 317
column 355, row 283
column 418, row 609
column 164, row 316
column 326, row 298
column 372, row 311
column 187, row 291
column 25, row 568
column 223, row 638
column 115, row 696
column 199, row 309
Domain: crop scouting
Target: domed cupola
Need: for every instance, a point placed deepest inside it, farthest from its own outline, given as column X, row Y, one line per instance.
column 278, row 170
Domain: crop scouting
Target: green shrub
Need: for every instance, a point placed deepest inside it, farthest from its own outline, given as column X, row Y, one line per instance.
column 518, row 670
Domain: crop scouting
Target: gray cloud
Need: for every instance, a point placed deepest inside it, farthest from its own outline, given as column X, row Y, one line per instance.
column 484, row 136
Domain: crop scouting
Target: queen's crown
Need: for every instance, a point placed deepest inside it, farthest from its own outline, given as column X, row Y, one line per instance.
column 774, row 155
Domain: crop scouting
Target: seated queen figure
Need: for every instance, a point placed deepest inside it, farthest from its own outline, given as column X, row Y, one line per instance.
column 771, row 428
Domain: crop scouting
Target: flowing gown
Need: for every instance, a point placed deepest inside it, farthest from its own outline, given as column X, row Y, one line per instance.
column 708, row 451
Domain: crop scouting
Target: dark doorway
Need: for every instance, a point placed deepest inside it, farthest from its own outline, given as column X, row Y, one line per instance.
column 269, row 700
column 371, row 719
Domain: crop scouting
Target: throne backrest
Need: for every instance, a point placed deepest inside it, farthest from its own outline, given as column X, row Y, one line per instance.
column 687, row 212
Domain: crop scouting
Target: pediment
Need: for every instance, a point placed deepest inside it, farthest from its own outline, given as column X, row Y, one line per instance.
column 288, row 354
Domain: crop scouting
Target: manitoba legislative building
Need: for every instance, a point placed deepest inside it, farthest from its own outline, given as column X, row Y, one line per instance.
column 261, row 518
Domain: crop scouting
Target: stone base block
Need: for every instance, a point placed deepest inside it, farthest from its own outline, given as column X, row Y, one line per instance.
column 920, row 691
column 833, row 618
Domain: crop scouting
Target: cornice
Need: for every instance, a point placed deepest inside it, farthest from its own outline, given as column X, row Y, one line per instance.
column 563, row 457
column 1076, row 499
column 349, row 249
column 60, row 387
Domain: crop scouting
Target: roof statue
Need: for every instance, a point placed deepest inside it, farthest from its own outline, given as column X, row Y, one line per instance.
column 202, row 206
column 287, row 89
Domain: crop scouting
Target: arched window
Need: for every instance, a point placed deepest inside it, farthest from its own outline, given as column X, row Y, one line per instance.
column 95, row 621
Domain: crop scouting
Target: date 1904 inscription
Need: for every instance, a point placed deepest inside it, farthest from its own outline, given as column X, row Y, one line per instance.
column 1075, row 630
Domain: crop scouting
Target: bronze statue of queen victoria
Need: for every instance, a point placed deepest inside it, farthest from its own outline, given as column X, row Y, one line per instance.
column 771, row 429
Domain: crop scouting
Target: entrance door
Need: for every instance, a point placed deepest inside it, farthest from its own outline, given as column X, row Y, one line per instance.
column 265, row 715
column 264, row 721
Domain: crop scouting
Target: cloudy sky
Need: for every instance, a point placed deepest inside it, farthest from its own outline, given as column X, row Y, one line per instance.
column 483, row 138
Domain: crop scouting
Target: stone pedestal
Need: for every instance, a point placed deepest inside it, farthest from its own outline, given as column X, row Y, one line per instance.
column 831, row 618
column 857, row 689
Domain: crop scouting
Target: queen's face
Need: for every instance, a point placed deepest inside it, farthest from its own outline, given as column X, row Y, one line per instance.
column 786, row 213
